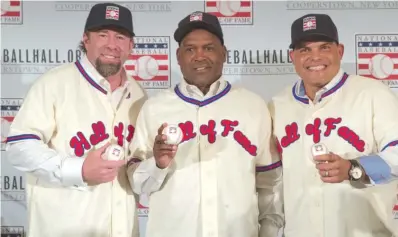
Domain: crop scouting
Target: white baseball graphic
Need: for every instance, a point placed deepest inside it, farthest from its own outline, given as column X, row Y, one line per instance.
column 381, row 66
column 5, row 6
column 112, row 13
column 5, row 129
column 146, row 67
column 113, row 152
column 228, row 7
column 173, row 133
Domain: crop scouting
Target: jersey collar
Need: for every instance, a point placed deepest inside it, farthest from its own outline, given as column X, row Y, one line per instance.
column 88, row 71
column 191, row 94
column 336, row 83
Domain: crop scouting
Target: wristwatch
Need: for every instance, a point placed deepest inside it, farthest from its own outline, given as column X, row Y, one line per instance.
column 355, row 173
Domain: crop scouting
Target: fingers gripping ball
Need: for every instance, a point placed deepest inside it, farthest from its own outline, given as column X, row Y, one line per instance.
column 113, row 152
column 173, row 133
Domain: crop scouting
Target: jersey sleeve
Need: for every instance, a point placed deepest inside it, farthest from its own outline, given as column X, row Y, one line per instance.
column 144, row 176
column 35, row 118
column 30, row 133
column 383, row 167
column 269, row 180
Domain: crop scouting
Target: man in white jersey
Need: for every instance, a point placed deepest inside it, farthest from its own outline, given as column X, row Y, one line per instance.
column 69, row 117
column 354, row 117
column 223, row 179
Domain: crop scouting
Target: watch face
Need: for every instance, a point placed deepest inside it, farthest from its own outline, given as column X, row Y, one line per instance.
column 356, row 173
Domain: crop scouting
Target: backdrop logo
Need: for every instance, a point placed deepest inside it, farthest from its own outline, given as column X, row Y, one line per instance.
column 12, row 231
column 341, row 5
column 11, row 12
column 258, row 62
column 231, row 12
column 142, row 206
column 377, row 57
column 12, row 188
column 138, row 6
column 149, row 62
column 35, row 61
column 9, row 108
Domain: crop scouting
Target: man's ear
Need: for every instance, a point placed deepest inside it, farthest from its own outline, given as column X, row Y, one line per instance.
column 340, row 48
column 178, row 55
column 225, row 53
column 291, row 54
column 86, row 39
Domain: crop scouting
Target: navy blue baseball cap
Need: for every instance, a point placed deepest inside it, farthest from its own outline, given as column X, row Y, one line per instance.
column 313, row 27
column 104, row 15
column 199, row 20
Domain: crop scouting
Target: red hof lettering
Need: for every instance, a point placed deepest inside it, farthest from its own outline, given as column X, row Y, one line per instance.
column 130, row 134
column 187, row 130
column 331, row 125
column 352, row 138
column 313, row 129
column 79, row 143
column 118, row 132
column 209, row 130
column 229, row 126
column 99, row 134
column 291, row 135
column 245, row 143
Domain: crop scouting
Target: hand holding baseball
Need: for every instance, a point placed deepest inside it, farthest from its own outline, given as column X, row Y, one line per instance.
column 166, row 144
column 331, row 167
column 97, row 170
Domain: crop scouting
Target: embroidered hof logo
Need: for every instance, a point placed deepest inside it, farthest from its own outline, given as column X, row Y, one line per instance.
column 231, row 12
column 9, row 108
column 377, row 57
column 11, row 12
column 149, row 63
column 309, row 23
column 112, row 13
column 196, row 16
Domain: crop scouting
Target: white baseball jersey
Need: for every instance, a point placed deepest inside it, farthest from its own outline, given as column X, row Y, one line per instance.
column 354, row 117
column 67, row 112
column 384, row 199
column 210, row 187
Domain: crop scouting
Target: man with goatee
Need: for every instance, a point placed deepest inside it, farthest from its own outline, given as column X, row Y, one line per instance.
column 69, row 117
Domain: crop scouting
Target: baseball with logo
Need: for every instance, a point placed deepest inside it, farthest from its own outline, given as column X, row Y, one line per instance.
column 230, row 12
column 149, row 62
column 377, row 57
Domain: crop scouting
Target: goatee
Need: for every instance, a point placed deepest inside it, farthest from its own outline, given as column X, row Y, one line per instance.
column 107, row 69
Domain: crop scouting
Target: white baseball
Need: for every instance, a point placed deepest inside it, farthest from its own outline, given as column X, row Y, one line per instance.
column 173, row 133
column 5, row 129
column 146, row 67
column 113, row 152
column 381, row 66
column 319, row 149
column 228, row 7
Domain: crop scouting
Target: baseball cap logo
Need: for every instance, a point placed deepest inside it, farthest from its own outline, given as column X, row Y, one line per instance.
column 112, row 13
column 309, row 23
column 196, row 16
